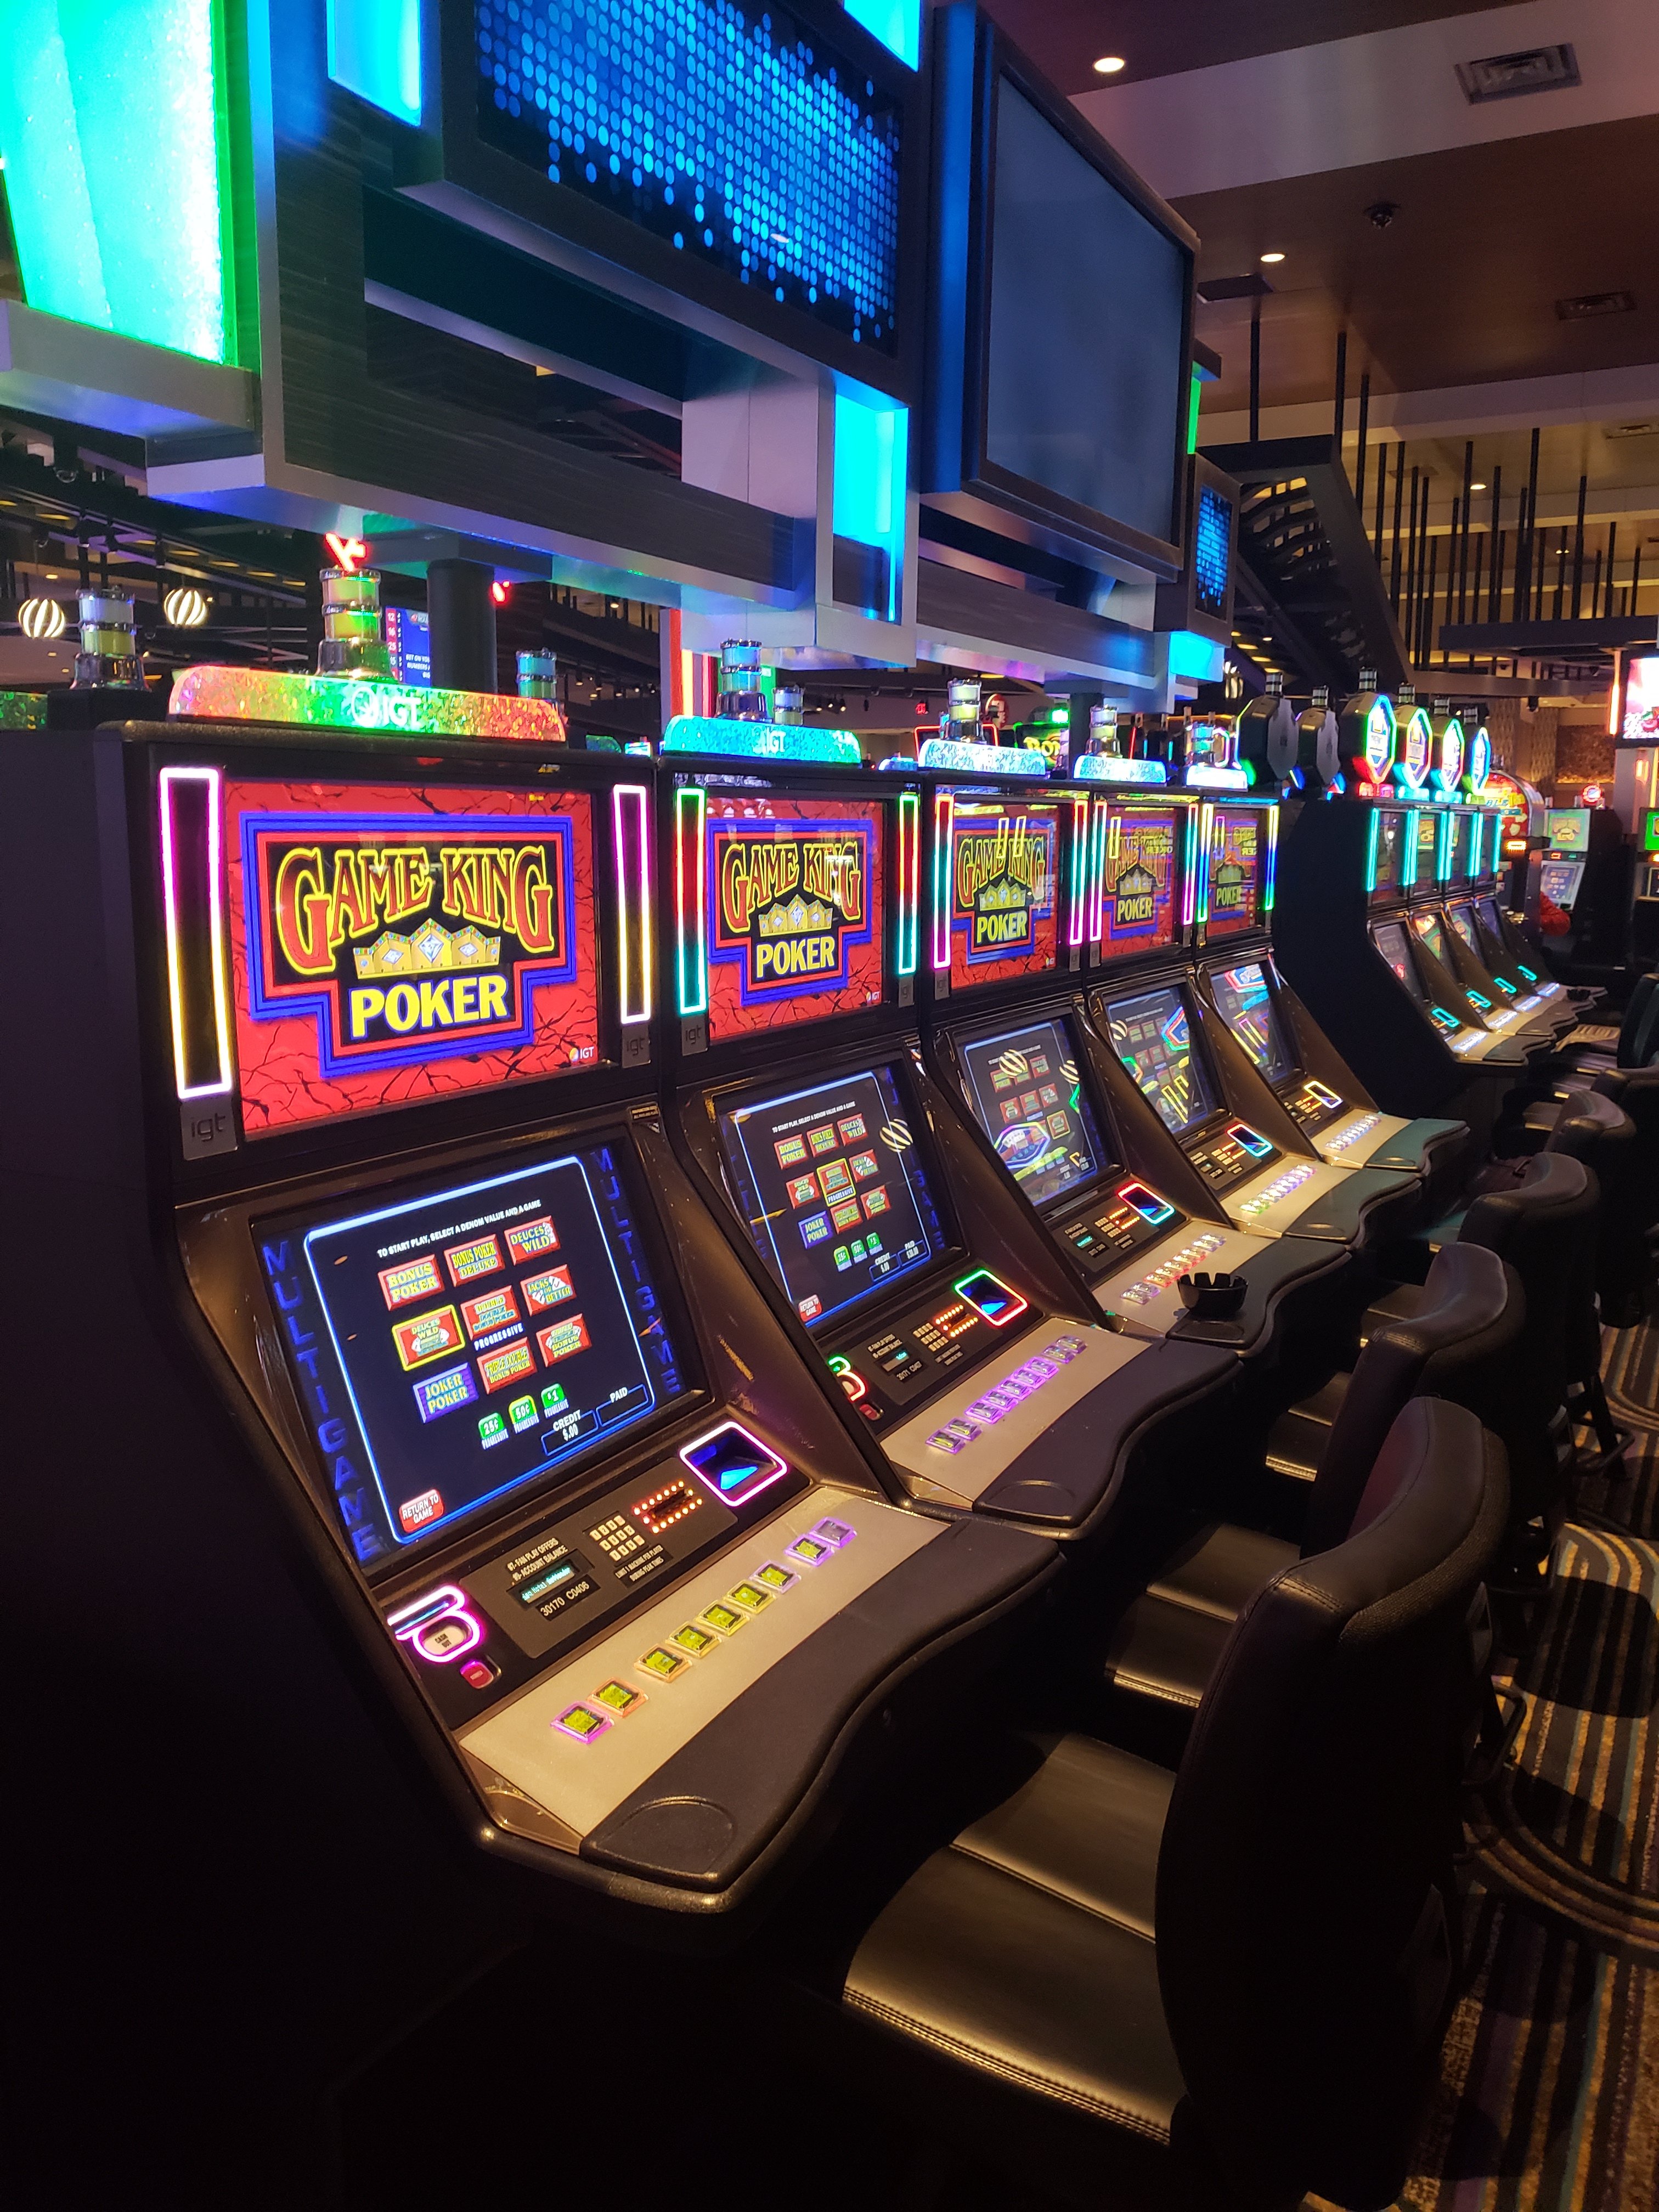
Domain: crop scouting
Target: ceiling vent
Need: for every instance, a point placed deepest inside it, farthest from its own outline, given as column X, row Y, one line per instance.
column 1631, row 429
column 1234, row 287
column 1506, row 76
column 1589, row 307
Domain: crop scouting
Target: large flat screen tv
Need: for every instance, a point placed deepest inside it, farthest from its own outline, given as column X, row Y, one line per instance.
column 1062, row 304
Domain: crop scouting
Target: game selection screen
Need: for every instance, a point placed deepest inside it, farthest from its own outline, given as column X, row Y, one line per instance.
column 1026, row 1091
column 1389, row 938
column 1244, row 999
column 1150, row 1034
column 1137, row 886
column 832, row 1185
column 793, row 897
column 1003, row 861
column 451, row 1346
column 398, row 943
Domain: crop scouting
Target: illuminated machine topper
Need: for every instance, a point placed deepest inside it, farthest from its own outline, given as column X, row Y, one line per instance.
column 1410, row 770
column 723, row 734
column 1002, row 880
column 1138, row 869
column 1373, row 756
column 1477, row 762
column 400, row 943
column 1236, row 891
column 264, row 695
column 1446, row 758
column 793, row 897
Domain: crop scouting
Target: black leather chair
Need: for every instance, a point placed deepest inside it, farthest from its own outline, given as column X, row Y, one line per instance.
column 1456, row 1344
column 1225, row 1987
column 1627, row 1170
column 1632, row 1042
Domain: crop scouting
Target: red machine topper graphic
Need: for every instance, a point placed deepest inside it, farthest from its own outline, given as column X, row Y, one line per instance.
column 1003, row 919
column 795, row 913
column 397, row 943
column 1235, row 865
column 1137, row 868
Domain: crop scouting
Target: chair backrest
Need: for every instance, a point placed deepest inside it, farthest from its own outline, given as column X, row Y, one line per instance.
column 1626, row 1288
column 1636, row 1041
column 1543, row 1223
column 1302, row 1948
column 1592, row 1128
column 1457, row 1345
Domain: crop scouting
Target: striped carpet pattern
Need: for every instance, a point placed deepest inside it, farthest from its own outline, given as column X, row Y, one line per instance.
column 1549, row 2092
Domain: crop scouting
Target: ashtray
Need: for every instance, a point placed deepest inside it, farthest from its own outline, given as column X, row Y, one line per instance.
column 1211, row 1297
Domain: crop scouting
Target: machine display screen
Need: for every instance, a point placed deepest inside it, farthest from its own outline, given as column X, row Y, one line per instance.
column 396, row 943
column 1462, row 920
column 833, row 1187
column 791, row 900
column 1434, row 936
column 1138, row 869
column 1244, row 999
column 451, row 1343
column 1559, row 880
column 1389, row 938
column 1027, row 1096
column 1391, row 849
column 1004, row 867
column 1152, row 1036
column 1460, row 846
column 1490, row 919
column 1232, row 888
column 1428, row 849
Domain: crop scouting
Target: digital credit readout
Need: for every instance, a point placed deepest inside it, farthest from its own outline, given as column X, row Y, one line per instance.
column 1244, row 999
column 476, row 1335
column 832, row 1186
column 1151, row 1036
column 1028, row 1096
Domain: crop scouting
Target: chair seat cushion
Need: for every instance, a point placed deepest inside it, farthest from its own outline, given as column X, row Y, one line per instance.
column 1164, row 1652
column 1024, row 1949
column 1297, row 1440
column 1221, row 1569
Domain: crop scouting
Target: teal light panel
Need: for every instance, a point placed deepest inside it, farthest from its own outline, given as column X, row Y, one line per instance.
column 111, row 130
column 896, row 23
column 735, row 135
column 375, row 51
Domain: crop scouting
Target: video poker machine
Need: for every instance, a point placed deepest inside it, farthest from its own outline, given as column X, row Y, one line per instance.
column 1006, row 1031
column 1345, row 939
column 1251, row 1152
column 960, row 1348
column 403, row 1283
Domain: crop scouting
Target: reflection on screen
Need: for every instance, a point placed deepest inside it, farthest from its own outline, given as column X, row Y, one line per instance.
column 1463, row 922
column 1489, row 916
column 1391, row 849
column 1245, row 1001
column 1150, row 1036
column 1389, row 938
column 1025, row 1090
column 1434, row 936
column 832, row 1185
column 476, row 1336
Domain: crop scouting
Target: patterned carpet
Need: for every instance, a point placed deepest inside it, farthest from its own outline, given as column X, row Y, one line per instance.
column 1549, row 2094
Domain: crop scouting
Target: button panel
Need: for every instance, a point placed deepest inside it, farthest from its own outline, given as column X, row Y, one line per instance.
column 1168, row 1271
column 1312, row 1104
column 1345, row 1139
column 942, row 1334
column 1237, row 1151
column 1275, row 1194
column 988, row 1408
column 1115, row 1224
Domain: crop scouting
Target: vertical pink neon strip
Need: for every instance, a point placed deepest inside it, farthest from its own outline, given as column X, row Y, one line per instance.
column 1077, row 918
column 943, row 823
column 634, row 950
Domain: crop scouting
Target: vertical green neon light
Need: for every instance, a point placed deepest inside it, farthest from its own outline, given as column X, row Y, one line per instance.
column 690, row 903
column 116, row 125
column 1371, row 829
column 1192, row 413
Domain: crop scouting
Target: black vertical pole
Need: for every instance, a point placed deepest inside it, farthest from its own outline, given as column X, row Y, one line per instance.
column 1411, row 561
column 1425, row 627
column 1613, row 542
column 1529, row 558
column 1636, row 578
column 1382, row 485
column 1494, row 582
column 1463, row 548
column 1255, row 373
column 1479, row 570
column 1399, row 500
column 1341, row 393
column 1560, row 580
column 1578, row 552
column 1362, row 458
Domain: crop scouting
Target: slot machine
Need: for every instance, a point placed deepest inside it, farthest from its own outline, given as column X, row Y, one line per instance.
column 1007, row 1032
column 1467, row 872
column 1252, row 1153
column 1344, row 940
column 959, row 1346
column 413, row 1345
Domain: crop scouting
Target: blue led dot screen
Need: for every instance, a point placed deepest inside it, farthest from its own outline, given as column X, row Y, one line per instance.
column 738, row 137
column 1212, row 533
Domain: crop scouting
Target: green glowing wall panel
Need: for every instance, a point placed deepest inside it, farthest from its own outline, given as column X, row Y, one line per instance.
column 123, row 129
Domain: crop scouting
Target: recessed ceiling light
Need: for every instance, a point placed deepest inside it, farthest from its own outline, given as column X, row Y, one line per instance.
column 1476, row 487
column 1109, row 64
column 1273, row 256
